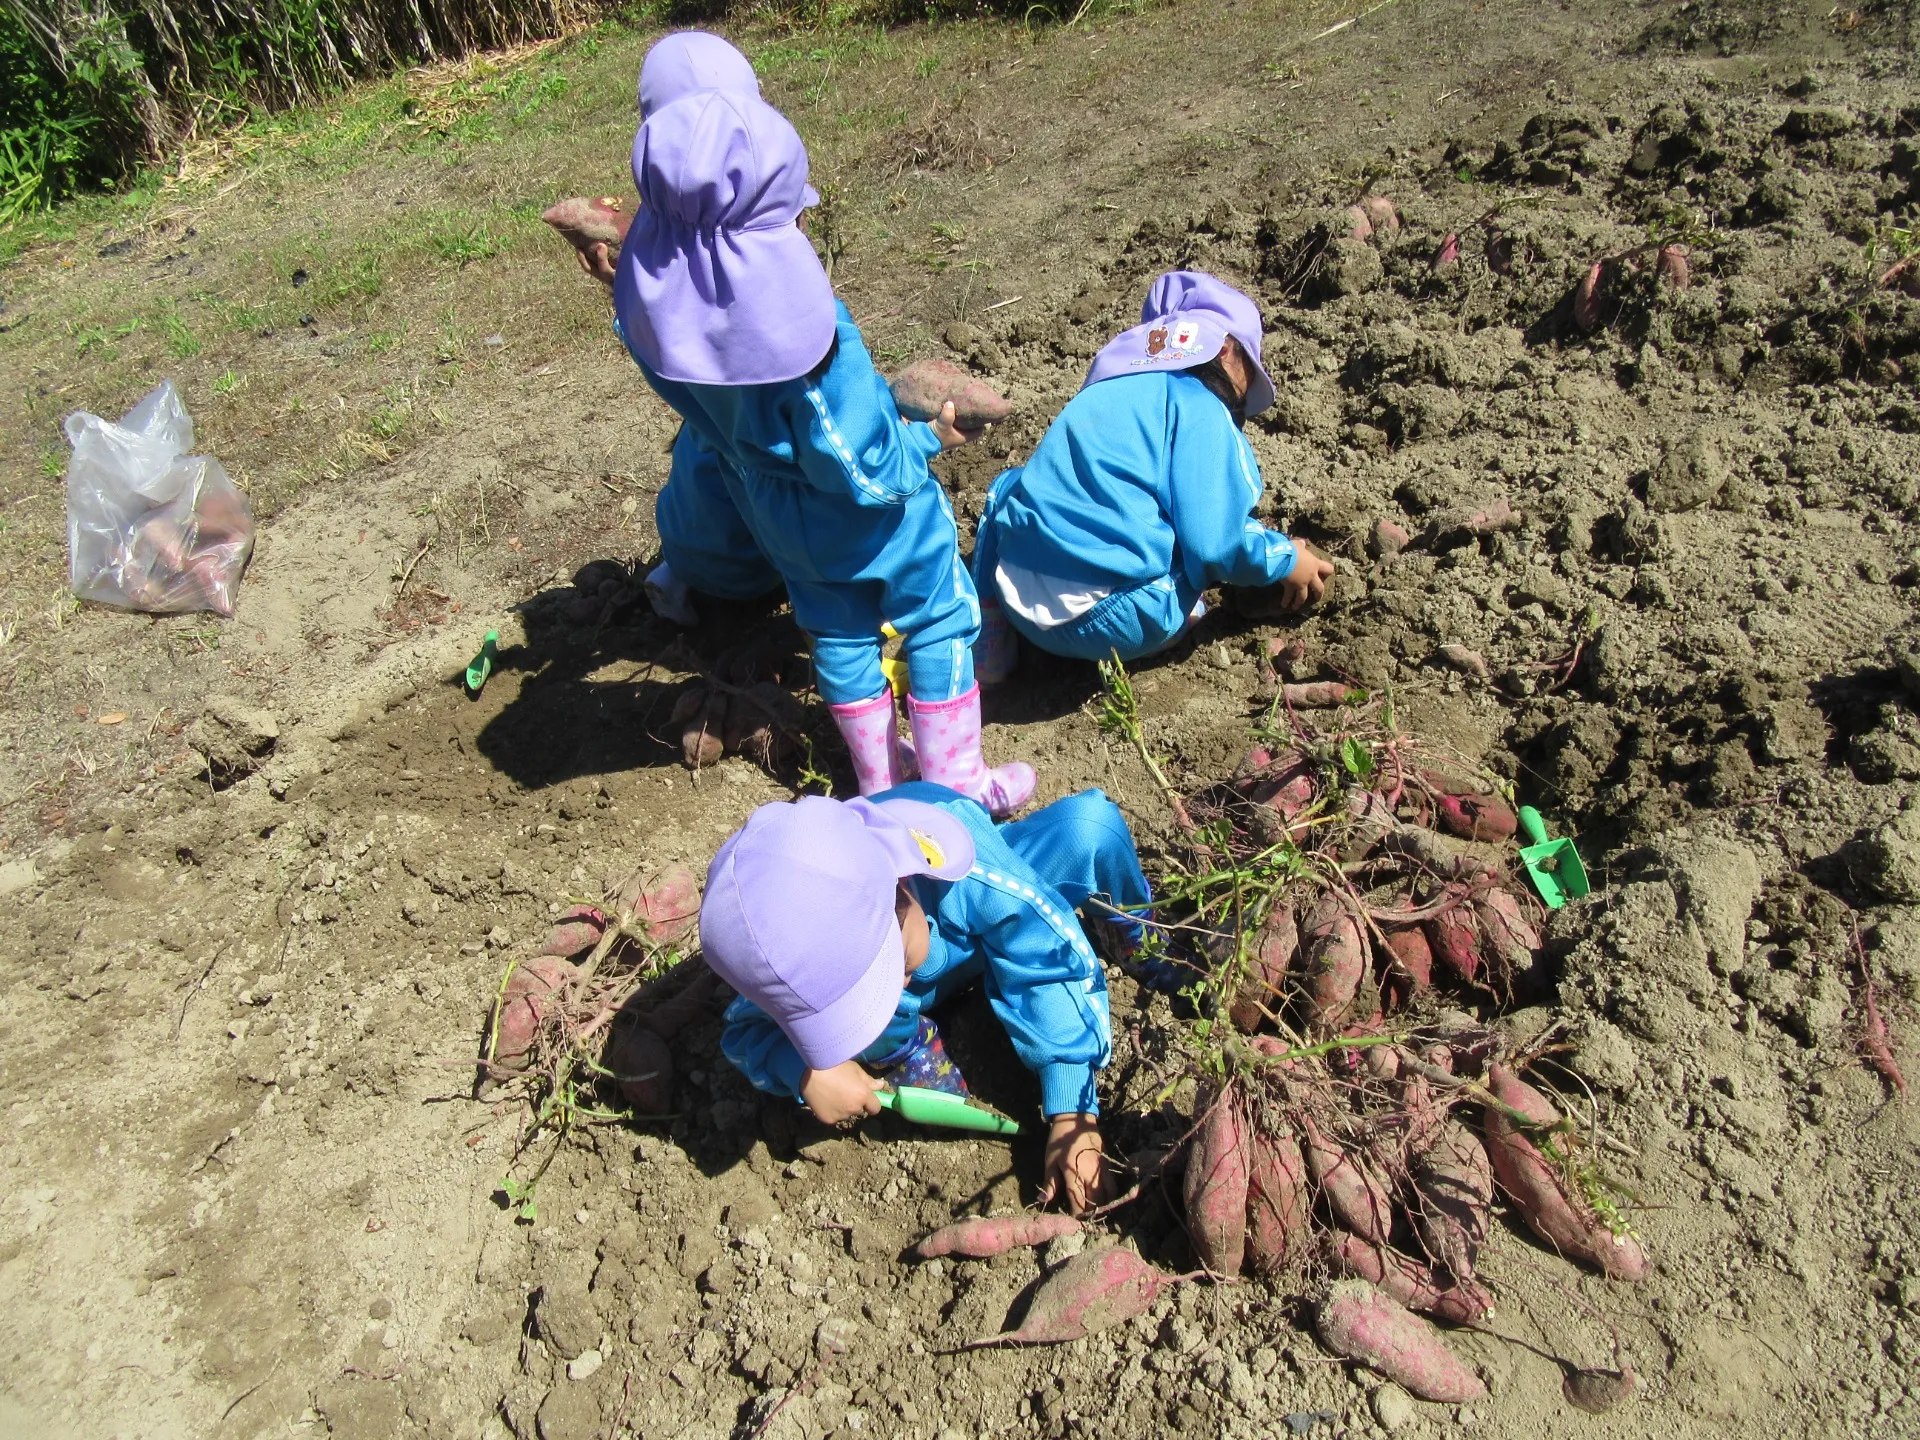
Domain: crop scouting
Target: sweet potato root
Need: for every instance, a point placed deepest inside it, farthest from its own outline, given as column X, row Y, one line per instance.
column 1317, row 694
column 1278, row 1209
column 1454, row 942
column 1598, row 1391
column 1215, row 1188
column 924, row 386
column 1475, row 817
column 701, row 714
column 1364, row 1324
column 1333, row 955
column 665, row 907
column 1093, row 1290
column 1357, row 1197
column 1452, row 1201
column 587, row 221
column 575, row 932
column 1269, row 959
column 1589, row 297
column 522, row 1007
column 981, row 1238
column 1409, row 961
column 1508, row 938
column 641, row 1064
column 1407, row 1280
column 1562, row 1218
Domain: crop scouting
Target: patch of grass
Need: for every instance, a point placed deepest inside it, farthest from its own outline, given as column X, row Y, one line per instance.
column 462, row 245
column 182, row 343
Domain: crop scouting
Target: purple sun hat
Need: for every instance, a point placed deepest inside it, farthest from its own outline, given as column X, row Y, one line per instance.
column 716, row 285
column 799, row 913
column 689, row 61
column 1187, row 317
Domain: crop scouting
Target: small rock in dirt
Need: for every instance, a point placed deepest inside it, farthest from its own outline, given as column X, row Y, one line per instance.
column 1881, row 757
column 706, row 1349
column 1605, row 1057
column 1351, row 267
column 1690, row 474
column 17, row 875
column 1887, row 862
column 584, row 1364
column 570, row 1412
column 1394, row 1408
column 567, row 1321
column 1063, row 1247
column 835, row 1336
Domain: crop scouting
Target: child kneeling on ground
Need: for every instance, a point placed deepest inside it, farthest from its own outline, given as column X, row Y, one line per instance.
column 842, row 924
column 1141, row 494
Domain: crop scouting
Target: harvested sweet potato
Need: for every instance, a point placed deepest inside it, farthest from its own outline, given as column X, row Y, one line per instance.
column 1369, row 821
column 980, row 1238
column 1671, row 266
column 1454, row 941
column 1408, row 1280
column 1358, row 1198
column 1448, row 254
column 926, row 385
column 1382, row 213
column 1508, row 938
column 1563, row 1218
column 575, row 932
column 669, row 1018
column 1278, row 1208
column 1409, row 961
column 1362, row 1323
column 701, row 714
column 1093, row 1290
column 1317, row 694
column 1598, row 1391
column 1475, row 817
column 1268, row 961
column 664, row 906
column 1452, row 1201
column 1589, row 297
column 587, row 221
column 1333, row 954
column 523, row 1006
column 641, row 1064
column 1215, row 1188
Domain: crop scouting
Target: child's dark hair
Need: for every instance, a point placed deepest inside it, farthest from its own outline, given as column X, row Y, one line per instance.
column 1213, row 375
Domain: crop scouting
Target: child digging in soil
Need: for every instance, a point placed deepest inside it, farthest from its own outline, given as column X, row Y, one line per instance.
column 842, row 924
column 800, row 468
column 1140, row 494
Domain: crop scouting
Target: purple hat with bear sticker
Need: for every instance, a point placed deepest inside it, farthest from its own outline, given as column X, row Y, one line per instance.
column 716, row 285
column 689, row 61
column 1187, row 317
column 799, row 913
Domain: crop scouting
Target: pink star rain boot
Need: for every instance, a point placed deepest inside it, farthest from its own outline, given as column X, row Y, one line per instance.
column 946, row 735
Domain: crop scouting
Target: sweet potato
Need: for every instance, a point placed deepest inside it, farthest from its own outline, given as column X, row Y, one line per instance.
column 1215, row 1188
column 1475, row 817
column 1409, row 961
column 523, row 1006
column 1317, row 694
column 664, row 907
column 1359, row 223
column 1390, row 538
column 1381, row 212
column 1598, row 1391
column 1562, row 1218
column 1454, row 941
column 642, row 1066
column 1428, row 851
column 1467, row 662
column 1269, row 958
column 1452, row 1201
column 1408, row 1281
column 1589, row 296
column 1671, row 266
column 1364, row 1324
column 701, row 714
column 576, row 931
column 980, row 1238
column 1499, row 252
column 1448, row 254
column 585, row 222
column 926, row 385
column 669, row 1018
column 1509, row 939
column 1093, row 1290
column 1253, row 764
column 1369, row 821
column 1357, row 1197
column 1333, row 954
column 1278, row 1209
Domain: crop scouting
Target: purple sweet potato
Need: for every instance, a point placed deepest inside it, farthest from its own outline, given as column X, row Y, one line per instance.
column 1590, row 296
column 1317, row 694
column 1269, row 959
column 980, row 1238
column 1562, row 1218
column 1408, row 1280
column 1509, row 938
column 1357, row 1196
column 587, row 221
column 664, row 908
column 523, row 1007
column 1455, row 942
column 1475, row 817
column 701, row 714
column 641, row 1064
column 1215, row 1188
column 926, row 385
column 1364, row 1324
column 1452, row 1200
column 575, row 932
column 1333, row 954
column 1093, row 1290
column 1409, row 961
column 1279, row 1211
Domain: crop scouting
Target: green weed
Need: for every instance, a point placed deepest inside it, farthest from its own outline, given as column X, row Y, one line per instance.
column 227, row 383
column 463, row 247
column 182, row 343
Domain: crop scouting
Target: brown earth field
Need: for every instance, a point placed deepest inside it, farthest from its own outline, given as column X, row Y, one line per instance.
column 263, row 877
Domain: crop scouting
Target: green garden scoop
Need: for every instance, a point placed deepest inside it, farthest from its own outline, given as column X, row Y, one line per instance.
column 482, row 665
column 937, row 1107
column 1554, row 864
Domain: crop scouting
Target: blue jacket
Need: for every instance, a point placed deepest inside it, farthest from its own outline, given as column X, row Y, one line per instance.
column 1139, row 477
column 1001, row 926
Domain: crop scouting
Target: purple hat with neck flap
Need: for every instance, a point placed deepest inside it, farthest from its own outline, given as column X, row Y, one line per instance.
column 689, row 61
column 1185, row 321
column 717, row 286
column 798, row 914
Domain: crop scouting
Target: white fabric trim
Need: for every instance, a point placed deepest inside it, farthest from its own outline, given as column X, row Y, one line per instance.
column 1044, row 601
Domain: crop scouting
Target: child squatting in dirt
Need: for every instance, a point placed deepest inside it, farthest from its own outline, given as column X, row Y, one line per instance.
column 843, row 923
column 796, row 464
column 1141, row 493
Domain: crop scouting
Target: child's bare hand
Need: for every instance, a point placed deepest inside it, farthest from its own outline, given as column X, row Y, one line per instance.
column 1307, row 581
column 947, row 430
column 593, row 259
column 844, row 1092
column 1076, row 1164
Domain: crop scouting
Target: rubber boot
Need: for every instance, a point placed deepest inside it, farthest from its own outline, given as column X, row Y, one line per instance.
column 670, row 597
column 997, row 651
column 923, row 1061
column 946, row 734
column 873, row 739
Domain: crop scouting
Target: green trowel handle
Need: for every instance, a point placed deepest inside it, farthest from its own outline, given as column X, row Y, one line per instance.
column 936, row 1107
column 1532, row 826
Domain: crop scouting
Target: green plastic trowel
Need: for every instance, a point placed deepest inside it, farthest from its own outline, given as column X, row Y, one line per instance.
column 937, row 1107
column 1554, row 864
column 482, row 665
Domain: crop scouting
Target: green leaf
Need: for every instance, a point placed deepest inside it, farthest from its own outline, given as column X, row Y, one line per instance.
column 1356, row 759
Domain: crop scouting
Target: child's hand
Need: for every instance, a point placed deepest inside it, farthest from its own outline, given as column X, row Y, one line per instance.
column 1307, row 581
column 946, row 429
column 1076, row 1164
column 593, row 259
column 841, row 1093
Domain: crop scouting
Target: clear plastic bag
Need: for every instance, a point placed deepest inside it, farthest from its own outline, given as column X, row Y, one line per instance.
column 149, row 526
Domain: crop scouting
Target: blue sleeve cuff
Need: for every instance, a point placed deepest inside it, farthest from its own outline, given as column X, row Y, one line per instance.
column 784, row 1069
column 1066, row 1088
column 920, row 435
column 1284, row 556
